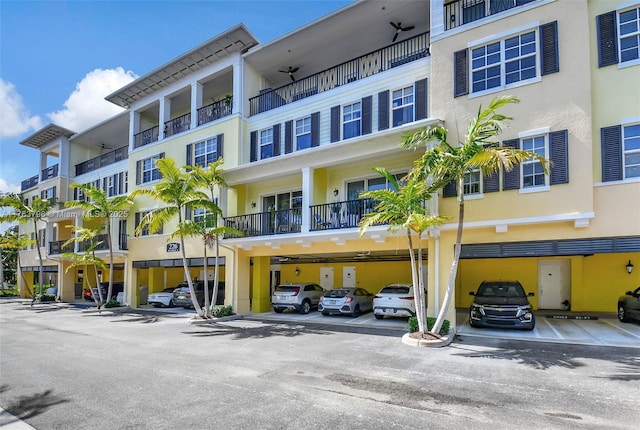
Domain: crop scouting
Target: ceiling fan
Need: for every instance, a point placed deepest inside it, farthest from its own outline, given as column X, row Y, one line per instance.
column 290, row 72
column 399, row 28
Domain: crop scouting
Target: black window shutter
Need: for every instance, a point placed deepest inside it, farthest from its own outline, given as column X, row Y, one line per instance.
column 253, row 149
column 220, row 145
column 460, row 73
column 335, row 123
column 611, row 141
column 366, row 115
column 75, row 194
column 559, row 156
column 383, row 110
column 137, row 219
column 315, row 129
column 288, row 137
column 450, row 190
column 138, row 171
column 121, row 189
column 189, row 154
column 187, row 213
column 421, row 99
column 607, row 39
column 549, row 48
column 491, row 183
column 276, row 140
column 104, row 184
column 161, row 155
column 511, row 179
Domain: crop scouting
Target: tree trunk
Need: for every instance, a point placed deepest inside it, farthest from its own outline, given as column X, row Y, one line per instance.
column 187, row 273
column 216, row 272
column 110, row 245
column 41, row 271
column 416, row 281
column 454, row 266
column 207, row 307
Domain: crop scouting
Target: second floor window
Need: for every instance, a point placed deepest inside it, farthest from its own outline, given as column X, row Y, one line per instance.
column 206, row 152
column 49, row 194
column 266, row 143
column 303, row 133
column 203, row 217
column 472, row 184
column 111, row 186
column 631, row 150
column 145, row 230
column 402, row 104
column 351, row 120
column 532, row 170
column 629, row 31
column 149, row 170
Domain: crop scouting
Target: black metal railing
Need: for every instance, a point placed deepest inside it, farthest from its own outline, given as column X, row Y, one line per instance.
column 460, row 12
column 146, row 137
column 346, row 214
column 102, row 238
column 177, row 125
column 110, row 157
column 266, row 223
column 56, row 247
column 29, row 183
column 215, row 110
column 359, row 68
column 49, row 173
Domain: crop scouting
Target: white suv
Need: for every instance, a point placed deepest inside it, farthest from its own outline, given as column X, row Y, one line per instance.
column 300, row 297
column 394, row 300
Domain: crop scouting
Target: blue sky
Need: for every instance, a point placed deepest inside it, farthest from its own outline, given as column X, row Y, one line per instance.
column 58, row 59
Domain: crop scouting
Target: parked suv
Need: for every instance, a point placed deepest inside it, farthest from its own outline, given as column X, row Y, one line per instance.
column 182, row 295
column 300, row 297
column 502, row 304
column 117, row 287
column 629, row 306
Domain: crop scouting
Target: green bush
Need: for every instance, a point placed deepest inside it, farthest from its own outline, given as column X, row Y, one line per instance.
column 219, row 311
column 413, row 325
column 9, row 292
column 47, row 298
column 112, row 304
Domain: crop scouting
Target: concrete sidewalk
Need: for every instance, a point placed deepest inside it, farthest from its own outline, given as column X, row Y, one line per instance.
column 10, row 422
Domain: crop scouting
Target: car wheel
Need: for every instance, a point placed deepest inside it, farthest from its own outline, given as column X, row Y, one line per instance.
column 278, row 310
column 306, row 307
column 622, row 314
column 472, row 323
column 356, row 311
column 171, row 303
column 379, row 317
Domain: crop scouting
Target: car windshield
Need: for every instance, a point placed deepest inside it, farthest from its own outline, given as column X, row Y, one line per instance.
column 395, row 290
column 287, row 289
column 337, row 293
column 501, row 290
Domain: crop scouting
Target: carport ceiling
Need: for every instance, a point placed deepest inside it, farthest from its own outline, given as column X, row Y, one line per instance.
column 346, row 257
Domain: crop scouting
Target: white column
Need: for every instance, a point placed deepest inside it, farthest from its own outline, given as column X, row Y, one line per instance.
column 238, row 90
column 78, row 222
column 196, row 102
column 437, row 17
column 134, row 127
column 307, row 194
column 164, row 115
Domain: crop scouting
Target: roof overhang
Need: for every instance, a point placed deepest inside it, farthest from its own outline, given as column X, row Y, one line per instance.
column 46, row 135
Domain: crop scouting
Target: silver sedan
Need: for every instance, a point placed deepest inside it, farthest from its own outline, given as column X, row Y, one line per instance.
column 349, row 301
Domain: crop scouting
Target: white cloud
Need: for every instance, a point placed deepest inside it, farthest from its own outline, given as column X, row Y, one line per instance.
column 15, row 119
column 86, row 106
column 6, row 187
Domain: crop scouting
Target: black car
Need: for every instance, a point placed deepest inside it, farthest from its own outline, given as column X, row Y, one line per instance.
column 117, row 287
column 629, row 306
column 182, row 295
column 501, row 304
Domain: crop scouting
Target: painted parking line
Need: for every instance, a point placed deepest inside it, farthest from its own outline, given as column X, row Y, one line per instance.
column 617, row 327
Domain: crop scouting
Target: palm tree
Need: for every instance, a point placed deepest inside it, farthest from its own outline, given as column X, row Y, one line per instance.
column 12, row 241
column 442, row 163
column 176, row 191
column 404, row 208
column 210, row 232
column 24, row 214
column 87, row 235
column 99, row 205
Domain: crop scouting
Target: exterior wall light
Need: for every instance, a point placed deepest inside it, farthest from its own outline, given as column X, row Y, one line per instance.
column 629, row 267
column 335, row 192
column 297, row 271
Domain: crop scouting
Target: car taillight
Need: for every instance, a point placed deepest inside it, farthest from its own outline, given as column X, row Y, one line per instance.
column 348, row 299
column 377, row 297
column 295, row 293
column 406, row 298
column 322, row 298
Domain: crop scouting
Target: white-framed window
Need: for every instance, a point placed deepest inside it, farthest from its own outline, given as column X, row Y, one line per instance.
column 149, row 169
column 205, row 152
column 111, row 186
column 145, row 229
column 532, row 170
column 126, row 182
column 203, row 217
column 266, row 143
column 303, row 133
column 354, row 188
column 629, row 34
column 504, row 63
column 352, row 120
column 402, row 102
column 631, row 150
column 472, row 182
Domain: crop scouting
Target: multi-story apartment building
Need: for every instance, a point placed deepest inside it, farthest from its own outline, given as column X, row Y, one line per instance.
column 302, row 120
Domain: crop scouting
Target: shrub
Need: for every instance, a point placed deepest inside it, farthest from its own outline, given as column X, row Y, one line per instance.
column 112, row 304
column 413, row 325
column 219, row 311
column 9, row 292
column 47, row 297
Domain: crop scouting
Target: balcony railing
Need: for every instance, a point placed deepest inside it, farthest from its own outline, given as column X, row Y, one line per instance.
column 337, row 215
column 29, row 183
column 146, row 137
column 110, row 157
column 56, row 246
column 215, row 110
column 266, row 223
column 460, row 12
column 177, row 125
column 49, row 173
column 359, row 68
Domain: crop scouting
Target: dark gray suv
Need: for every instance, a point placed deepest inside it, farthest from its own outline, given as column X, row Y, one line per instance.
column 501, row 304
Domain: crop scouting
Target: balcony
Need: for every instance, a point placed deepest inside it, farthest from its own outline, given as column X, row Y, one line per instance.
column 462, row 12
column 95, row 163
column 49, row 173
column 177, row 125
column 215, row 110
column 57, row 246
column 328, row 216
column 362, row 67
column 146, row 137
column 29, row 183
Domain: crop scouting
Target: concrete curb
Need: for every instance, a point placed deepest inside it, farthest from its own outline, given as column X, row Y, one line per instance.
column 428, row 343
column 213, row 320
